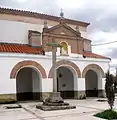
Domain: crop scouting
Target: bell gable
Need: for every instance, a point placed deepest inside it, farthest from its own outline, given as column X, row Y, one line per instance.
column 63, row 29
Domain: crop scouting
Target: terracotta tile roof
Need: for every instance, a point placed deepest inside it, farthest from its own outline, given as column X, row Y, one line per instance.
column 39, row 15
column 20, row 48
column 93, row 55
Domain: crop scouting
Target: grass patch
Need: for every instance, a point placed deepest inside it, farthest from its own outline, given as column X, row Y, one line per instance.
column 7, row 101
column 107, row 114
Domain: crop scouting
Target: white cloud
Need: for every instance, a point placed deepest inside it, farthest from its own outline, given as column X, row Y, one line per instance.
column 100, row 37
column 103, row 37
column 20, row 1
column 71, row 4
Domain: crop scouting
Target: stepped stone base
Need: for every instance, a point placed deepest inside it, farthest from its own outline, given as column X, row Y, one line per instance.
column 51, row 108
column 54, row 102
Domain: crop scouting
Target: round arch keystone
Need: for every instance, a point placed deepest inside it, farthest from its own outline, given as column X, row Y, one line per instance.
column 92, row 66
column 23, row 64
column 64, row 63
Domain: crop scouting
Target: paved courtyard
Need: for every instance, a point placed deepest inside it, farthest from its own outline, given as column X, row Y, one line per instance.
column 84, row 111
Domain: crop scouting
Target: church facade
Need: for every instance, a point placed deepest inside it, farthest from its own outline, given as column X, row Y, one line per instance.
column 26, row 60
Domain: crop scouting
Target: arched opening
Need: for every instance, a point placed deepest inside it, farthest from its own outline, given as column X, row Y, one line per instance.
column 72, row 67
column 66, row 79
column 91, row 83
column 28, row 84
column 64, row 48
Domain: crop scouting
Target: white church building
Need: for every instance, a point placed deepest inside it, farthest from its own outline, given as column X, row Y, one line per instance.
column 26, row 60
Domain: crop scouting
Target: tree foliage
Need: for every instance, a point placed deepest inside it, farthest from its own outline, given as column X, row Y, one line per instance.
column 110, row 89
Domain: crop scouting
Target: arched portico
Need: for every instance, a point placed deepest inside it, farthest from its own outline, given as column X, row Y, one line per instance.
column 27, row 63
column 66, row 81
column 68, row 63
column 67, row 78
column 93, row 75
column 28, row 75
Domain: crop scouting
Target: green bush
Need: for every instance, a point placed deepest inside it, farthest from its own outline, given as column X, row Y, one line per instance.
column 110, row 89
column 107, row 114
column 7, row 101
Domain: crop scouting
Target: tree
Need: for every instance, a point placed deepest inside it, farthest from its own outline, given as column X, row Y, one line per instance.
column 115, row 81
column 110, row 89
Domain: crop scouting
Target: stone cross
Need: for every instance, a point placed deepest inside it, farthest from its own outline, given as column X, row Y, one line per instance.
column 54, row 45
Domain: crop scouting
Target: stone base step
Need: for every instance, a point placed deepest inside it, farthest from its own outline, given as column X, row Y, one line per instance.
column 51, row 108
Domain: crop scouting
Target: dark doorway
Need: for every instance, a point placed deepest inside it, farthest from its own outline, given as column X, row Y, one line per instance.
column 27, row 84
column 65, row 82
column 91, row 83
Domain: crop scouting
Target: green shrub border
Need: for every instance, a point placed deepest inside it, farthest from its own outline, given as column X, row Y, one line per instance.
column 107, row 114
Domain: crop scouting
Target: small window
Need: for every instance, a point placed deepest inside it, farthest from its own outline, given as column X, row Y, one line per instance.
column 64, row 48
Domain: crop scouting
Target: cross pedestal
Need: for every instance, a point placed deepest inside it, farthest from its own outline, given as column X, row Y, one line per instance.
column 54, row 101
column 55, row 98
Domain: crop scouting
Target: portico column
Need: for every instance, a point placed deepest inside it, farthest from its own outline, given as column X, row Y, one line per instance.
column 101, row 87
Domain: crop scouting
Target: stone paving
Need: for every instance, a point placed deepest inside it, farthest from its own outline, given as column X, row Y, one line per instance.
column 85, row 109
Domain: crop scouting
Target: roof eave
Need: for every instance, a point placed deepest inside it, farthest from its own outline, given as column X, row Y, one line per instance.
column 40, row 15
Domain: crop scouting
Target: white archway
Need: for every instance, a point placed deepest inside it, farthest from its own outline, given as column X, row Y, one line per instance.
column 100, row 74
column 28, row 84
column 91, row 83
column 67, row 81
column 95, row 80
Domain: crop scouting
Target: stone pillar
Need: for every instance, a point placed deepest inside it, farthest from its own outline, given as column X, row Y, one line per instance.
column 80, row 91
column 54, row 69
column 101, row 88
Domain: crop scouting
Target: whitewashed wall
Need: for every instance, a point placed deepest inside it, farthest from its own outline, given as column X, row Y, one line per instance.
column 36, row 81
column 17, row 32
column 8, row 61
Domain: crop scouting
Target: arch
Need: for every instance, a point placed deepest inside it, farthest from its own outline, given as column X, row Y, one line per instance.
column 28, row 84
column 64, row 48
column 92, row 67
column 91, row 83
column 27, row 63
column 65, row 63
column 66, row 82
